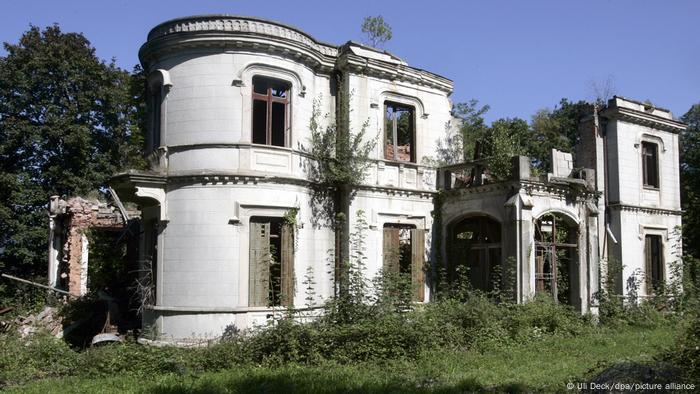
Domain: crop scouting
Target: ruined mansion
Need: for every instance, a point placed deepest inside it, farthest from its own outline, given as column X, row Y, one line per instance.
column 230, row 101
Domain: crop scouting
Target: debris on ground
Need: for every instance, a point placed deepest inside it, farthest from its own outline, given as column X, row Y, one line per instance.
column 48, row 319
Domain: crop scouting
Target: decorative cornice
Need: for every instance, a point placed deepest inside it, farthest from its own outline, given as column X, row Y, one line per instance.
column 239, row 24
column 230, row 32
column 396, row 72
column 644, row 119
column 649, row 210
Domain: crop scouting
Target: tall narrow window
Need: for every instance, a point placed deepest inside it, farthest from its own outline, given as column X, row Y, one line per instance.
column 156, row 97
column 270, row 111
column 399, row 132
column 556, row 252
column 653, row 256
column 650, row 164
column 271, row 270
column 404, row 254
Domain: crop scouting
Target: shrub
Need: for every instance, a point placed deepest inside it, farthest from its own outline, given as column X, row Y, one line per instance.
column 687, row 350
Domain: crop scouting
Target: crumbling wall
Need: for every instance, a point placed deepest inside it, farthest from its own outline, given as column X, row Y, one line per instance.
column 71, row 219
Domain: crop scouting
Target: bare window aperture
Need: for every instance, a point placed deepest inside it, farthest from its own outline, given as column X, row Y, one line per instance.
column 270, row 111
column 155, row 96
column 654, row 262
column 556, row 252
column 476, row 251
column 399, row 132
column 404, row 253
column 650, row 164
column 271, row 270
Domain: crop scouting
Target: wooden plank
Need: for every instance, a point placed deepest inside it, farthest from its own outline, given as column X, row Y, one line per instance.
column 417, row 264
column 259, row 268
column 287, row 257
column 391, row 250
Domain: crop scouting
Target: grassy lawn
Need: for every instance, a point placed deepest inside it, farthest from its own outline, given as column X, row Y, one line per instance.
column 545, row 365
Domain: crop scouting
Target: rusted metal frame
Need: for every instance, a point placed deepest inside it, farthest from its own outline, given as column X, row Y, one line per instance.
column 29, row 282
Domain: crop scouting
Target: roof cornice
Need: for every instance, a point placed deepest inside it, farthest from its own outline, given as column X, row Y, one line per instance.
column 644, row 119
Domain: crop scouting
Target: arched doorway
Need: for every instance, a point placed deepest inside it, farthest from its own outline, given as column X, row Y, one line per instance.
column 556, row 257
column 476, row 250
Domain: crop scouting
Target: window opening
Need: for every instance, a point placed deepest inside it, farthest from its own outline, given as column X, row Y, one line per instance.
column 653, row 253
column 404, row 254
column 476, row 251
column 556, row 252
column 650, row 164
column 399, row 132
column 271, row 277
column 156, row 97
column 270, row 111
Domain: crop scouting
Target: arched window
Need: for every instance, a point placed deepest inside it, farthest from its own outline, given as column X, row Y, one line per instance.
column 556, row 254
column 476, row 249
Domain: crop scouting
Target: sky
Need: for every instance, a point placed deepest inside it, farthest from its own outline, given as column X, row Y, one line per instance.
column 516, row 56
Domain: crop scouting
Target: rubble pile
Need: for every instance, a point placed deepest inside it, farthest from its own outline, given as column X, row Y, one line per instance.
column 48, row 319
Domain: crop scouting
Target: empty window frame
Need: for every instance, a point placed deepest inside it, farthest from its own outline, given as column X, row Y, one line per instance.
column 271, row 255
column 155, row 96
column 404, row 253
column 556, row 252
column 654, row 262
column 650, row 164
column 271, row 118
column 476, row 251
column 399, row 132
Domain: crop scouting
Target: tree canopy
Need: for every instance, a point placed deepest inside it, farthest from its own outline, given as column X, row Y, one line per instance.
column 68, row 122
column 690, row 179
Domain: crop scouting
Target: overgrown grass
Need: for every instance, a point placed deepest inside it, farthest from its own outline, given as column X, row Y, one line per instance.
column 537, row 365
column 445, row 346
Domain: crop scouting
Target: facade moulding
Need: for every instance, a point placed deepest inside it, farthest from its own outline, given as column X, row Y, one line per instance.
column 644, row 119
column 648, row 210
column 395, row 72
column 166, row 45
column 240, row 24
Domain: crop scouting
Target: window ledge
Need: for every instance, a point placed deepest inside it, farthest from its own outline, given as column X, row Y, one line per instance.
column 652, row 188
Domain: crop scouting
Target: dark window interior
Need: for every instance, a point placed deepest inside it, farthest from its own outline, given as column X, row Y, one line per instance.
column 399, row 132
column 653, row 250
column 476, row 251
column 156, row 102
column 650, row 164
column 270, row 111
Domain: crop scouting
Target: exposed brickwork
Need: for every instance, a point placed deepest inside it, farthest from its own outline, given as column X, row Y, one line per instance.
column 80, row 216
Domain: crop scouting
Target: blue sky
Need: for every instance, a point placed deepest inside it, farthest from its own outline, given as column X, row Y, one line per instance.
column 516, row 56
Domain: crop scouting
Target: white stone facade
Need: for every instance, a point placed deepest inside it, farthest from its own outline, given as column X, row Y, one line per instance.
column 210, row 180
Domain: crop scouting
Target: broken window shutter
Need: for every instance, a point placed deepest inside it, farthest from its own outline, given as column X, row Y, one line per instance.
column 392, row 254
column 259, row 269
column 287, row 265
column 417, row 263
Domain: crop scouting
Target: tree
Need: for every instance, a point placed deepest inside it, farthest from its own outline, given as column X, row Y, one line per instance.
column 555, row 129
column 68, row 121
column 690, row 180
column 504, row 140
column 339, row 160
column 376, row 31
